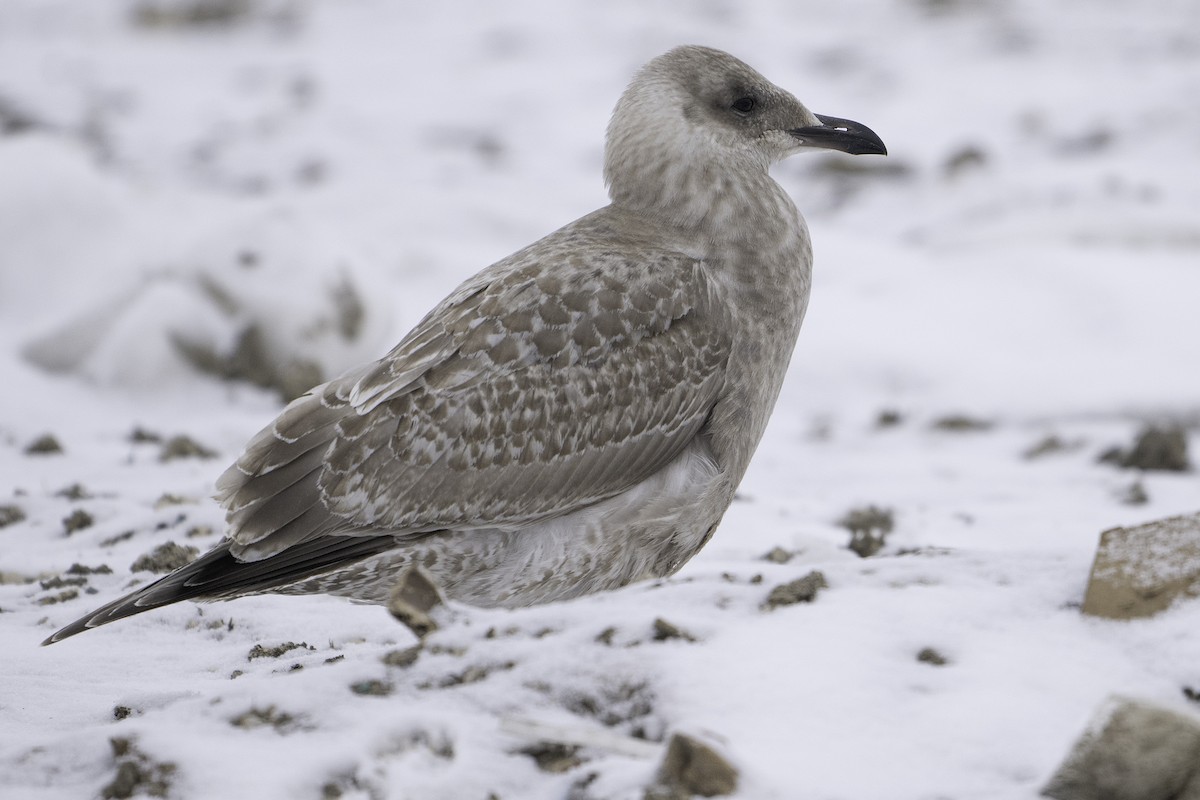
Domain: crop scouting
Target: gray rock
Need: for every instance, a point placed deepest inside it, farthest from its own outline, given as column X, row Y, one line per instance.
column 77, row 520
column 553, row 757
column 777, row 555
column 932, row 656
column 1141, row 570
column 256, row 717
column 869, row 527
column 1132, row 751
column 372, row 688
column 164, row 558
column 1162, row 448
column 10, row 515
column 961, row 423
column 252, row 360
column 888, row 418
column 665, row 631
column 1134, row 495
column 801, row 590
column 184, row 446
column 691, row 767
column 136, row 773
column 404, row 657
column 258, row 651
column 45, row 444
column 413, row 600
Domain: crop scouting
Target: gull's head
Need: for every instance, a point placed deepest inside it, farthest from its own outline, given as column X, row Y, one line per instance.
column 701, row 112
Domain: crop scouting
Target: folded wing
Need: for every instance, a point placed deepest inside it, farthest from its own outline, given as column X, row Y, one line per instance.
column 538, row 388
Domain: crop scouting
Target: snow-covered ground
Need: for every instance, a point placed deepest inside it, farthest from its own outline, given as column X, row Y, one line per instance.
column 294, row 183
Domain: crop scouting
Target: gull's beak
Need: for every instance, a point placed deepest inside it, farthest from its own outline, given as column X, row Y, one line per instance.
column 845, row 135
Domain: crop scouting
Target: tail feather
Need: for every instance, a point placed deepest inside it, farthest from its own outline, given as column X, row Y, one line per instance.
column 217, row 575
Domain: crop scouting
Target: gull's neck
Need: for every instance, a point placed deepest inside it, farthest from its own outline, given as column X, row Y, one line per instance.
column 725, row 199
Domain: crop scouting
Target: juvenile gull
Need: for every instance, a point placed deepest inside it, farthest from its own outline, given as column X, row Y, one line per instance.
column 576, row 416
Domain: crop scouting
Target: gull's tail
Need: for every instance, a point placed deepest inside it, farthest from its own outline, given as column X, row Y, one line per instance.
column 217, row 575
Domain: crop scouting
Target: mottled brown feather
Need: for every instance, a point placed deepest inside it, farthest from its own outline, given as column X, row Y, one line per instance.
column 474, row 420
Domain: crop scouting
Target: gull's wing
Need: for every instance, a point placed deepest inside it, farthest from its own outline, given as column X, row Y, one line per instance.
column 544, row 384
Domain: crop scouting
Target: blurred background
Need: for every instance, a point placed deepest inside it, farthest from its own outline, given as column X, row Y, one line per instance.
column 274, row 190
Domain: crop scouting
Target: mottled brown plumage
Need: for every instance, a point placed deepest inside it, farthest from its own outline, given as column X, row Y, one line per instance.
column 576, row 416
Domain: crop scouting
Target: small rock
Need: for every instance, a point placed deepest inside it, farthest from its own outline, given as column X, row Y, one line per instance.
column 888, row 418
column 1156, row 448
column 1134, row 495
column 578, row 790
column 137, row 774
column 414, row 598
column 472, row 674
column 165, row 558
column 1141, row 570
column 1132, row 751
column 140, row 435
column 252, row 359
column 258, row 651
column 74, row 492
column 404, row 657
column 58, row 582
column 347, row 785
column 869, row 527
column 10, row 515
column 963, row 159
column 777, row 555
column 623, row 702
column 961, row 423
column 80, row 569
column 117, row 538
column 665, row 631
column 167, row 499
column 61, row 597
column 15, row 120
column 371, row 688
column 1050, row 445
column 928, row 655
column 77, row 520
column 44, row 445
column 691, row 767
column 260, row 717
column 553, row 757
column 184, row 446
column 121, row 712
column 190, row 13
column 801, row 590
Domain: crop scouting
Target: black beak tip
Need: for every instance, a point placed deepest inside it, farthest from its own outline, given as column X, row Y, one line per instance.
column 877, row 148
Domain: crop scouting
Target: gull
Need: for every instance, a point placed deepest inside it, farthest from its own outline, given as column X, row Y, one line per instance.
column 576, row 416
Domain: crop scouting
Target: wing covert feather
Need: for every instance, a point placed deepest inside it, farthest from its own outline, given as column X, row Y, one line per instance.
column 542, row 385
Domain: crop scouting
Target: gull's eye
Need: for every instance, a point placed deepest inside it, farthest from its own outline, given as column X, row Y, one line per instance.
column 744, row 105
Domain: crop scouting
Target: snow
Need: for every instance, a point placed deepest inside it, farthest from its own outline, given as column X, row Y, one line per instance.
column 1048, row 285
